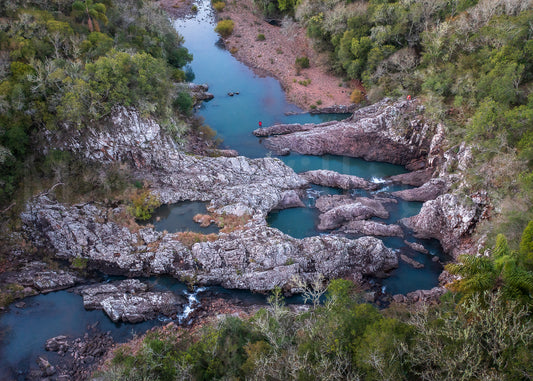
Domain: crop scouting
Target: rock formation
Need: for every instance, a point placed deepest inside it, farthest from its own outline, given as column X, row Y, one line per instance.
column 372, row 228
column 336, row 180
column 449, row 219
column 339, row 210
column 256, row 258
column 428, row 191
column 130, row 301
column 383, row 131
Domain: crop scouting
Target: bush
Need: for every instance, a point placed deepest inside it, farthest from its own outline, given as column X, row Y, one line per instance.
column 357, row 96
column 142, row 204
column 225, row 28
column 301, row 63
column 184, row 103
column 219, row 6
column 260, row 37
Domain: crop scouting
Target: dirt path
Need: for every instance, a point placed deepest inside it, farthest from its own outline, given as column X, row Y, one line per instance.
column 276, row 56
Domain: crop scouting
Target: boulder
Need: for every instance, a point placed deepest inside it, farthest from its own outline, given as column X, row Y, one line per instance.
column 57, row 344
column 339, row 210
column 129, row 301
column 199, row 92
column 336, row 180
column 429, row 191
column 372, row 228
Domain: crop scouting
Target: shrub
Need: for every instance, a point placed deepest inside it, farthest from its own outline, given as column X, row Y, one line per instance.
column 357, row 96
column 219, row 6
column 143, row 204
column 79, row 263
column 225, row 28
column 190, row 238
column 260, row 37
column 184, row 103
column 301, row 63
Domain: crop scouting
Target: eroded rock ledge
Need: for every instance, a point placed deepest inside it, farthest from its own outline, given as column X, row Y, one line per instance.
column 385, row 131
column 257, row 258
column 130, row 301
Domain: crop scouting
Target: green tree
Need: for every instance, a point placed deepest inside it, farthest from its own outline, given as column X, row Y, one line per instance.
column 92, row 11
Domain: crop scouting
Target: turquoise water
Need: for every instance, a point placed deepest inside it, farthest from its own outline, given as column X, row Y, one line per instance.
column 24, row 331
column 178, row 217
column 260, row 98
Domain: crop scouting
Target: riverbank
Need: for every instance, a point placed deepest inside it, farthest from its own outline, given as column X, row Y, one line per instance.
column 308, row 88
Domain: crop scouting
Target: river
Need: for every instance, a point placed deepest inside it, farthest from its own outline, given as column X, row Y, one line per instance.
column 23, row 331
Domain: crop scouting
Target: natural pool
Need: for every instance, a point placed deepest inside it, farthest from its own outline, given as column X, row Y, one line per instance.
column 178, row 217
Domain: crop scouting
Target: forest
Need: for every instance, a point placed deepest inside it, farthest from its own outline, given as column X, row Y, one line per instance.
column 67, row 64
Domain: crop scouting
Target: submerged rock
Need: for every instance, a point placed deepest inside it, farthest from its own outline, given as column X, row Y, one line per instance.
column 411, row 261
column 129, row 301
column 417, row 247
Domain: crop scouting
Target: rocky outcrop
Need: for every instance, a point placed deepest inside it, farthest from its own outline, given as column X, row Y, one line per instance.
column 130, row 301
column 237, row 183
column 199, row 92
column 336, row 180
column 262, row 258
column 38, row 276
column 78, row 357
column 338, row 210
column 385, row 131
column 421, row 296
column 93, row 233
column 449, row 219
column 335, row 109
column 256, row 258
column 429, row 191
column 257, row 185
column 415, row 178
column 372, row 228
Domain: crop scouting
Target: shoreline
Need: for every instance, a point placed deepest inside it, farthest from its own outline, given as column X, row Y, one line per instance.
column 312, row 88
